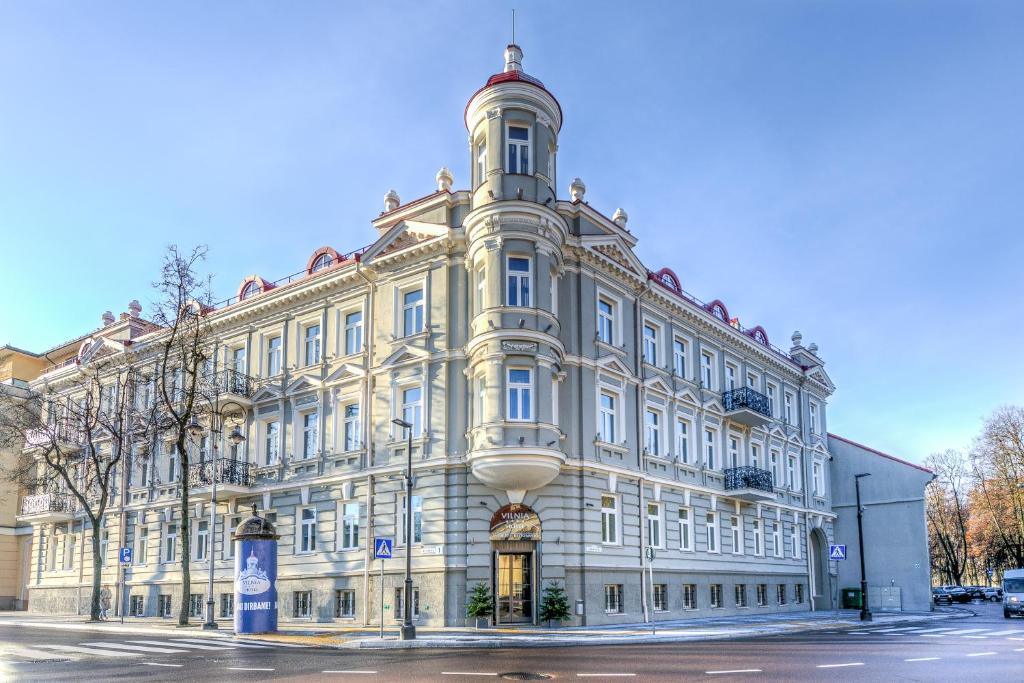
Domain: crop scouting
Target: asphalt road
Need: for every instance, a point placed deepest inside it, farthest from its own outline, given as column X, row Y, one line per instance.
column 980, row 648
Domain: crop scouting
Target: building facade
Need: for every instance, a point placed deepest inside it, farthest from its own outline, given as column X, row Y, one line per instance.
column 570, row 408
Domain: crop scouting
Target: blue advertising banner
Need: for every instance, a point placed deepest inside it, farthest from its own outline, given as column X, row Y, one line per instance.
column 255, row 586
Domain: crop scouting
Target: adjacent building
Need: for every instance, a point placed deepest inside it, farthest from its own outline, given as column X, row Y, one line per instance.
column 570, row 407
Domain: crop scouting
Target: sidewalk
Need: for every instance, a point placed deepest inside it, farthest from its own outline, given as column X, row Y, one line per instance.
column 344, row 636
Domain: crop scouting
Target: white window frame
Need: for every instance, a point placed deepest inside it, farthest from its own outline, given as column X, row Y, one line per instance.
column 679, row 356
column 818, row 471
column 519, row 395
column 772, row 391
column 352, row 427
column 788, row 413
column 481, row 161
column 655, row 525
column 169, row 543
column 736, row 534
column 731, row 372
column 686, row 529
column 683, row 430
column 651, row 342
column 792, row 472
column 608, row 417
column 348, row 525
column 758, row 537
column 518, row 145
column 777, row 468
column 710, row 437
column 271, row 437
column 141, row 544
column 659, row 597
column 712, row 537
column 755, row 455
column 613, row 599
column 353, row 332
column 777, row 550
column 274, row 355
column 813, row 410
column 201, row 542
column 689, row 596
column 312, row 345
column 310, row 435
column 652, row 430
column 411, row 410
column 611, row 520
column 417, row 521
column 606, row 321
column 707, row 370
column 415, row 311
column 794, row 541
column 340, row 603
column 305, row 530
column 734, row 451
column 518, row 283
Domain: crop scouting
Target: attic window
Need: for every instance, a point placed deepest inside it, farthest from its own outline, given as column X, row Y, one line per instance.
column 252, row 288
column 322, row 261
column 718, row 311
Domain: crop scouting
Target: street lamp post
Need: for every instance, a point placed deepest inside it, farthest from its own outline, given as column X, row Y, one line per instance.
column 408, row 629
column 865, row 612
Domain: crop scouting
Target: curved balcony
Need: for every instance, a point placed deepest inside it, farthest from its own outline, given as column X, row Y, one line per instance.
column 749, row 483
column 746, row 406
column 233, row 477
column 515, row 468
column 48, row 508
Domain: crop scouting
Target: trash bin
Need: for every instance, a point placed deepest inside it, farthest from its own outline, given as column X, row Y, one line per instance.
column 852, row 598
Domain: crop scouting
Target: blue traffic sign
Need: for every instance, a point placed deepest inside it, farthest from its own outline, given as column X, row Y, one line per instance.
column 836, row 551
column 126, row 555
column 382, row 548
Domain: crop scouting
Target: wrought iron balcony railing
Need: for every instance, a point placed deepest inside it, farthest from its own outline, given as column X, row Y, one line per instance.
column 228, row 471
column 234, row 382
column 41, row 503
column 749, row 478
column 745, row 397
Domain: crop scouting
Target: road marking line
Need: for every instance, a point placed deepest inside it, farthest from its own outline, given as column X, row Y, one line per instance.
column 1004, row 633
column 342, row 671
column 965, row 630
column 980, row 654
column 836, row 666
column 265, row 643
column 139, row 648
column 922, row 659
column 93, row 651
column 609, row 674
column 467, row 673
column 1019, row 649
column 933, row 630
column 934, row 635
column 242, row 668
column 977, row 637
column 736, row 671
column 226, row 643
column 191, row 646
column 159, row 664
column 31, row 653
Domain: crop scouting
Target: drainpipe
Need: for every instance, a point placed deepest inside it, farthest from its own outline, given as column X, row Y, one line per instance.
column 580, row 441
column 638, row 359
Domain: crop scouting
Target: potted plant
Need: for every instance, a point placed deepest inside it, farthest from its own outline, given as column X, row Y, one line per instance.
column 481, row 605
column 554, row 605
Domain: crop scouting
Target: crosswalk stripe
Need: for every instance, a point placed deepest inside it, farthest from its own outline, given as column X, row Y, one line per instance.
column 225, row 643
column 95, row 651
column 136, row 648
column 1003, row 633
column 30, row 653
column 932, row 630
column 965, row 630
column 191, row 646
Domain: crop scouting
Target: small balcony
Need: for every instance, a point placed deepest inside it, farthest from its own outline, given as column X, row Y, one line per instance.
column 749, row 483
column 47, row 508
column 236, row 386
column 233, row 477
column 747, row 407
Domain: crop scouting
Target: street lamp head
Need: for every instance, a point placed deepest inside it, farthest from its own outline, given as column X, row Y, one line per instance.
column 401, row 423
column 236, row 436
column 194, row 428
column 862, row 474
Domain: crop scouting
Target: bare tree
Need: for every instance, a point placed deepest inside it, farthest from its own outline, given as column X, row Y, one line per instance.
column 946, row 507
column 185, row 299
column 998, row 466
column 75, row 435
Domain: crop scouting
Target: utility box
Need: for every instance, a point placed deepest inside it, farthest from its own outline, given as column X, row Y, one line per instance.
column 852, row 598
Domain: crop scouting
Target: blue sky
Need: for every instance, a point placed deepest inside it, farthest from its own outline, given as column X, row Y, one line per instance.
column 848, row 169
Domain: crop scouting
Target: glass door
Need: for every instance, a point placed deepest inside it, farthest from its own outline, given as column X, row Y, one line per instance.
column 514, row 588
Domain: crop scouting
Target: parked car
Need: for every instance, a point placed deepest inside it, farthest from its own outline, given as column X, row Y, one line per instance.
column 1013, row 592
column 975, row 592
column 994, row 594
column 950, row 594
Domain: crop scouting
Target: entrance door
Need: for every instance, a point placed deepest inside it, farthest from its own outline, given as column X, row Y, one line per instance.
column 514, row 590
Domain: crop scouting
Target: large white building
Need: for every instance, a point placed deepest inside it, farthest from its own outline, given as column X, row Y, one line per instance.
column 571, row 407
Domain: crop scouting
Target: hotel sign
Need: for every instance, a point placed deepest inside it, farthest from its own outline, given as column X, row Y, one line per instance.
column 515, row 522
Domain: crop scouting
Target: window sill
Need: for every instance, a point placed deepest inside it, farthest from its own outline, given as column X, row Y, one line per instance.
column 611, row 348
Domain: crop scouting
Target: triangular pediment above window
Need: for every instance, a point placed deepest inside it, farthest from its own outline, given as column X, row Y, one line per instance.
column 344, row 372
column 266, row 393
column 406, row 353
column 818, row 374
column 819, row 448
column 657, row 384
column 613, row 249
column 403, row 235
column 777, row 432
column 612, row 363
column 714, row 405
column 687, row 396
column 796, row 440
column 303, row 383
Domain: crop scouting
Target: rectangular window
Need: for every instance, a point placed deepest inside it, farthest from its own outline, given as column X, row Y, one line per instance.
column 227, row 605
column 606, row 321
column 70, row 543
column 736, row 527
column 481, row 289
column 481, row 162
column 741, row 595
column 716, row 595
column 780, row 593
column 171, row 543
column 518, row 269
column 135, row 606
column 613, row 598
column 799, row 593
column 711, row 524
column 689, row 596
column 792, row 475
column 609, row 520
column 412, row 312
column 344, row 604
column 814, row 418
column 787, row 413
column 172, row 465
column 353, row 332
column 652, row 432
column 350, row 526
column 758, row 538
column 771, row 398
column 312, row 345
column 650, row 344
column 417, row 520
column 776, row 473
column 229, row 546
column 685, row 529
column 518, row 160
column 310, row 446
column 709, row 449
column 520, row 386
column 302, row 604
column 734, row 452
column 608, row 419
column 679, row 357
column 730, row 377
column 196, row 602
column 307, row 530
column 755, row 455
column 412, row 409
column 762, row 595
column 819, row 479
column 660, row 597
column 202, row 541
column 654, row 525
column 400, row 603
column 238, row 360
column 682, row 440
column 273, row 356
column 163, row 605
column 272, row 443
column 794, row 540
column 353, row 439
column 141, row 545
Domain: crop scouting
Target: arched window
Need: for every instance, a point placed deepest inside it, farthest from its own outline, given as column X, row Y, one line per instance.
column 718, row 311
column 252, row 288
column 322, row 261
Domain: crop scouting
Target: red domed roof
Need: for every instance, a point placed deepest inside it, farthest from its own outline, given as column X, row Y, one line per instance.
column 514, row 73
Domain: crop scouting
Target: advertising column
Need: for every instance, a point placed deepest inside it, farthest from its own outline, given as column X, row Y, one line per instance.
column 255, row 576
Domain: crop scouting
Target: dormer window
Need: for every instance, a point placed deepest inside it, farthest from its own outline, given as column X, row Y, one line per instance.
column 718, row 312
column 322, row 261
column 252, row 288
column 518, row 160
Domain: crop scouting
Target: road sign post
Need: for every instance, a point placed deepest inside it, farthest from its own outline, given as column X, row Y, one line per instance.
column 124, row 556
column 837, row 551
column 649, row 556
column 382, row 550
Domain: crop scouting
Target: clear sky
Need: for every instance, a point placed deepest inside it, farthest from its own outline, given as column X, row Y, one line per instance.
column 848, row 169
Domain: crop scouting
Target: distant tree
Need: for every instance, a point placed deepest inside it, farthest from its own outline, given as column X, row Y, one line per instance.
column 554, row 605
column 998, row 467
column 947, row 511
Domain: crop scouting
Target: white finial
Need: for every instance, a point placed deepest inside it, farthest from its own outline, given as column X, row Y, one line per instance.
column 391, row 201
column 797, row 338
column 444, row 180
column 134, row 308
column 108, row 318
column 577, row 189
column 620, row 217
column 513, row 58
column 813, row 348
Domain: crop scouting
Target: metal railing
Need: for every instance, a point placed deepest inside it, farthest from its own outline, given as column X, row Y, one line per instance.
column 748, row 477
column 745, row 397
column 228, row 471
column 233, row 382
column 68, row 436
column 47, row 502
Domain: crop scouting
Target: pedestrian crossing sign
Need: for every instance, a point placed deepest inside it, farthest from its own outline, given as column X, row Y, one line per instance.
column 836, row 551
column 382, row 548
